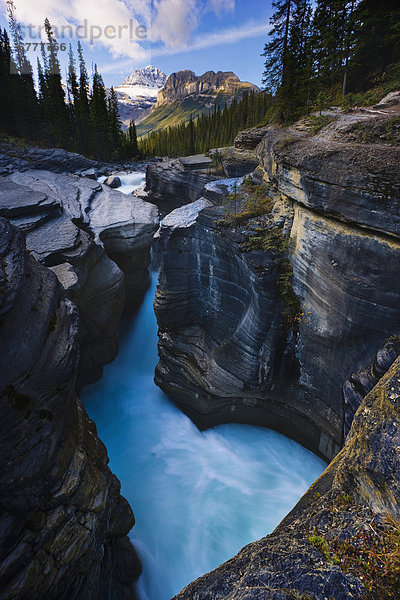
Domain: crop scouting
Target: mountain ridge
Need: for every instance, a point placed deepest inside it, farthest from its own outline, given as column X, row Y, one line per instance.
column 186, row 96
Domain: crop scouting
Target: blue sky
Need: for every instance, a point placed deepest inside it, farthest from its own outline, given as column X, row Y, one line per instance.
column 200, row 35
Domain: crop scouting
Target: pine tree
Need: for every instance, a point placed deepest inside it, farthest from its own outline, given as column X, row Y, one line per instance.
column 131, row 149
column 114, row 124
column 276, row 51
column 73, row 97
column 376, row 45
column 26, row 104
column 55, row 107
column 99, row 123
column 82, row 109
column 8, row 116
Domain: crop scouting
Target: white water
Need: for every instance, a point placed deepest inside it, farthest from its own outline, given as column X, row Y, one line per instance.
column 198, row 497
column 130, row 182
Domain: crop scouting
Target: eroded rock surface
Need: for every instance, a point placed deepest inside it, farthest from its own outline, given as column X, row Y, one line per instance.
column 361, row 383
column 63, row 520
column 95, row 239
column 226, row 353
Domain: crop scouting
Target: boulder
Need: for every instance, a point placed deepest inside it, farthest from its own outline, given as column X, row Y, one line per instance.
column 113, row 181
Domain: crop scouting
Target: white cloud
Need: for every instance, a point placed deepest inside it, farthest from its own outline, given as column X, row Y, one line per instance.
column 221, row 6
column 110, row 23
column 220, row 38
column 170, row 24
column 174, row 21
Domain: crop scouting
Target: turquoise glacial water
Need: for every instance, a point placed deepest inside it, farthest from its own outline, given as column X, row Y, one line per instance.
column 198, row 497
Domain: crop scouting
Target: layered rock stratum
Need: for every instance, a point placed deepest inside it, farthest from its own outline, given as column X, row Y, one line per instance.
column 185, row 83
column 63, row 520
column 226, row 353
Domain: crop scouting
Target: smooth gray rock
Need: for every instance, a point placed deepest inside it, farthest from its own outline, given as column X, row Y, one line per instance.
column 185, row 216
column 218, row 191
column 196, row 162
column 90, row 228
column 113, row 181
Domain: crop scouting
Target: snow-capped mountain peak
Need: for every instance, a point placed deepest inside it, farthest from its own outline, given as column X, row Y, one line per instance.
column 145, row 82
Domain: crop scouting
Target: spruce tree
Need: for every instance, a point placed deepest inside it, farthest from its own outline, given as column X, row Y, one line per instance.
column 114, row 124
column 26, row 104
column 8, row 115
column 276, row 51
column 82, row 109
column 99, row 125
column 131, row 149
column 376, row 46
column 73, row 97
column 58, row 127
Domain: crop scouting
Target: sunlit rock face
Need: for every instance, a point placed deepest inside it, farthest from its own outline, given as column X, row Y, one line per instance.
column 63, row 520
column 224, row 355
column 185, row 83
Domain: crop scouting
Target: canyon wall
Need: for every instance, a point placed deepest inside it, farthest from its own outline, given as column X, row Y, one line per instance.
column 63, row 520
column 225, row 352
column 351, row 511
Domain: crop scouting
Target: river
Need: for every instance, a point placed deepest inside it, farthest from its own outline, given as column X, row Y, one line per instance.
column 198, row 497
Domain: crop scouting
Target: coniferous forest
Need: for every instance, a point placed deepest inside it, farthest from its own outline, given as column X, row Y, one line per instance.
column 214, row 130
column 79, row 117
column 332, row 52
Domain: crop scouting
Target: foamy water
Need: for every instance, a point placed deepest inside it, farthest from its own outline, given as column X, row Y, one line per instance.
column 198, row 497
column 130, row 182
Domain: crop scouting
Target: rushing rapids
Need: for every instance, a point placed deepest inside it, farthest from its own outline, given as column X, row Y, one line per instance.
column 198, row 496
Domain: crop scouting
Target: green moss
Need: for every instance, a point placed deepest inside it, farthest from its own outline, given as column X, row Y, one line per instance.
column 317, row 122
column 245, row 203
column 372, row 554
column 273, row 240
column 393, row 338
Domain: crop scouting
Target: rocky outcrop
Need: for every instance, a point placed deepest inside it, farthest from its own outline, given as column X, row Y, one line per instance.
column 14, row 158
column 351, row 511
column 91, row 237
column 227, row 350
column 361, row 383
column 63, row 520
column 170, row 184
column 241, row 159
column 182, row 84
